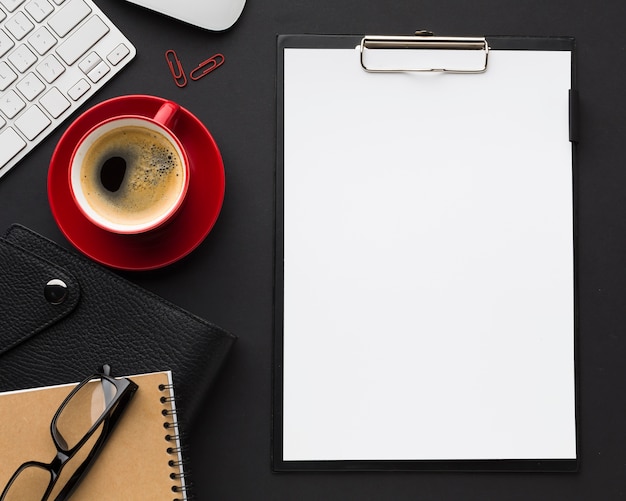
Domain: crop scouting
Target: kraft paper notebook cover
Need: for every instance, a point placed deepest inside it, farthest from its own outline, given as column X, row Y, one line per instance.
column 425, row 301
column 137, row 462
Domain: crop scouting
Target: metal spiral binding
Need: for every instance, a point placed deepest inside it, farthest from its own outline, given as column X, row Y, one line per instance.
column 179, row 490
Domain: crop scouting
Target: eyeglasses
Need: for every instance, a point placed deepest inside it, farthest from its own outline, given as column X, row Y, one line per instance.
column 79, row 429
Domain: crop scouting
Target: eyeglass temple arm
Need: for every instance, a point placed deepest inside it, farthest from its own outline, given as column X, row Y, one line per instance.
column 108, row 426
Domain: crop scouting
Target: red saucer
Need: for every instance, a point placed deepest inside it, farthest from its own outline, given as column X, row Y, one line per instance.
column 166, row 245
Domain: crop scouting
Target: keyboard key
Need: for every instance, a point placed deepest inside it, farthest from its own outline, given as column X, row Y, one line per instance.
column 6, row 43
column 22, row 58
column 72, row 13
column 98, row 72
column 30, row 86
column 83, row 39
column 79, row 89
column 39, row 9
column 118, row 54
column 7, row 76
column 19, row 25
column 10, row 145
column 54, row 102
column 90, row 62
column 50, row 68
column 32, row 122
column 11, row 104
column 11, row 5
column 42, row 40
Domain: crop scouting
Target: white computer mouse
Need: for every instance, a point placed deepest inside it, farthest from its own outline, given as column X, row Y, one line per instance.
column 214, row 15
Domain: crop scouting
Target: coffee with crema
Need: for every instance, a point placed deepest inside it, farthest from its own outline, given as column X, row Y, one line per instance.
column 132, row 175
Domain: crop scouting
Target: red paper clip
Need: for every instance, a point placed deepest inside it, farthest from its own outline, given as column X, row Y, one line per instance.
column 180, row 79
column 207, row 66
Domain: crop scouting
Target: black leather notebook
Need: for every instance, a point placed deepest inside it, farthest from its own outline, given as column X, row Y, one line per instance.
column 63, row 316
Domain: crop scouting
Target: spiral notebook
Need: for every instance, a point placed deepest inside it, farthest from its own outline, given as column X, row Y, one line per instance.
column 141, row 460
column 425, row 234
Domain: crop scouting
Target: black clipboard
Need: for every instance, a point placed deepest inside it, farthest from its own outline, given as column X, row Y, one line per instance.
column 400, row 344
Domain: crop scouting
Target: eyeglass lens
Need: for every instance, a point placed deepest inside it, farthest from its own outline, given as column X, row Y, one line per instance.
column 30, row 484
column 84, row 409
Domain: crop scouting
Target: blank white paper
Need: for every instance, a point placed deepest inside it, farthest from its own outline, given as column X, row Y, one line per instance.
column 428, row 261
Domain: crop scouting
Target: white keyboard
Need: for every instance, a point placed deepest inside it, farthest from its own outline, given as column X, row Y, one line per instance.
column 54, row 55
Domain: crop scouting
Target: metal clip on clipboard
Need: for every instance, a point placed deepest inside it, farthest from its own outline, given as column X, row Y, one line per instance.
column 477, row 48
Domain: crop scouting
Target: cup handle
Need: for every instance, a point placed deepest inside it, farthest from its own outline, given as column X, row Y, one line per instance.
column 166, row 115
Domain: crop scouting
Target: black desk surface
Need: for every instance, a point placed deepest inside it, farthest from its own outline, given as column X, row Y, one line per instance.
column 228, row 279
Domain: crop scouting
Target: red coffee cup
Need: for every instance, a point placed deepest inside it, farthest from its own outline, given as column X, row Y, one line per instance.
column 129, row 174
